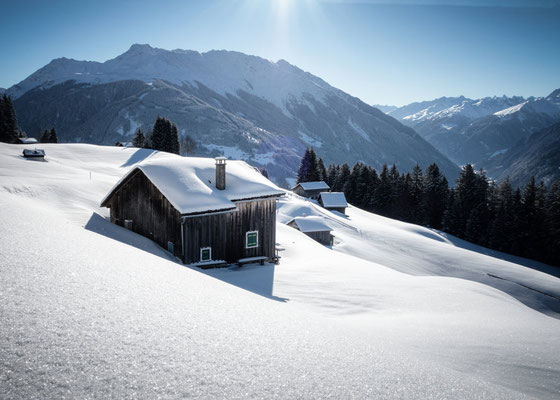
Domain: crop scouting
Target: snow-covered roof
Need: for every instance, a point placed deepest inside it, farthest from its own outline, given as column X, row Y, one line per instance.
column 333, row 199
column 189, row 183
column 34, row 153
column 311, row 224
column 318, row 185
column 29, row 140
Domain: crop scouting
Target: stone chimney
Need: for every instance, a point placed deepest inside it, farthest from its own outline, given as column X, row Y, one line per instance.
column 220, row 173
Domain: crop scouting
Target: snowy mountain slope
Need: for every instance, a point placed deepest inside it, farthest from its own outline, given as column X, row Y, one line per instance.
column 476, row 131
column 231, row 103
column 538, row 155
column 82, row 298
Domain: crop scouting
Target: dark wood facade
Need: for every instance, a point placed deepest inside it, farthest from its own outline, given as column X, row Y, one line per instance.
column 226, row 233
column 323, row 237
column 138, row 200
column 312, row 194
column 152, row 215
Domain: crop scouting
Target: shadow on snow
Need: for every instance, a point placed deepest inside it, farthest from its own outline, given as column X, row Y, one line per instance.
column 258, row 279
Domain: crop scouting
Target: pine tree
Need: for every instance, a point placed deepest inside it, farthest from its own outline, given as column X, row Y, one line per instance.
column 314, row 172
column 53, row 138
column 383, row 193
column 417, row 192
column 139, row 140
column 331, row 175
column 173, row 144
column 304, row 166
column 159, row 134
column 322, row 171
column 434, row 196
column 45, row 137
column 341, row 178
column 8, row 122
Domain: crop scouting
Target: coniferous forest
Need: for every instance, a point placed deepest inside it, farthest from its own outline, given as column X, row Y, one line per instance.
column 521, row 221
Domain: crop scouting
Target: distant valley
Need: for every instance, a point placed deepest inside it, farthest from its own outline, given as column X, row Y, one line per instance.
column 493, row 133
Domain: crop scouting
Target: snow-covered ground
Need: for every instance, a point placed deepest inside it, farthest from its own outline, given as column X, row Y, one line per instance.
column 91, row 310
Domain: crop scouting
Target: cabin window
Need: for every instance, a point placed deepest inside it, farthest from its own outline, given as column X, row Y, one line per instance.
column 252, row 239
column 205, row 253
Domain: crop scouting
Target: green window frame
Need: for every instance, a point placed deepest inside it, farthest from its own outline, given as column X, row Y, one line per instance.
column 252, row 239
column 205, row 254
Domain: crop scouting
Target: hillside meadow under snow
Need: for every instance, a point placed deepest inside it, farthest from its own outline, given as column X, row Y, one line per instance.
column 393, row 310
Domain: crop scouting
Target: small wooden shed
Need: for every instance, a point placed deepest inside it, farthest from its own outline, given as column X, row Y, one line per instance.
column 314, row 227
column 334, row 201
column 197, row 211
column 36, row 154
column 27, row 140
column 310, row 189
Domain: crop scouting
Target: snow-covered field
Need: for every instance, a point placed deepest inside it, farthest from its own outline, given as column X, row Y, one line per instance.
column 91, row 310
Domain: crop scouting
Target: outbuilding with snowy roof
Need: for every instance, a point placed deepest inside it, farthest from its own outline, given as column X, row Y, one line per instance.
column 315, row 227
column 310, row 189
column 197, row 210
column 334, row 201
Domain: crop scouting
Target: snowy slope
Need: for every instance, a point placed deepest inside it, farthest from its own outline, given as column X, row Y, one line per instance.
column 92, row 310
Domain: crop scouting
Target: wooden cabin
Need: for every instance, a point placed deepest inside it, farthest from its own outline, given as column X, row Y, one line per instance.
column 334, row 201
column 198, row 211
column 310, row 189
column 35, row 154
column 314, row 227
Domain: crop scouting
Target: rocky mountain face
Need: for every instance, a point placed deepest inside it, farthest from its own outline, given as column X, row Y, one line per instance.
column 538, row 155
column 232, row 104
column 478, row 131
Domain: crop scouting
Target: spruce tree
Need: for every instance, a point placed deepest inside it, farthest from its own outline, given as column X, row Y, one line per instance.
column 8, row 121
column 173, row 145
column 383, row 193
column 53, row 138
column 417, row 192
column 158, row 136
column 321, row 170
column 434, row 196
column 341, row 178
column 304, row 167
column 139, row 140
column 331, row 175
column 45, row 137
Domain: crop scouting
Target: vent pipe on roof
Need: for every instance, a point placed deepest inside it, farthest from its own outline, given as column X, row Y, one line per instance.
column 220, row 173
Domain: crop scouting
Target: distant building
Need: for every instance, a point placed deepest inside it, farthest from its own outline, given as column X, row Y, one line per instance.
column 334, row 201
column 27, row 140
column 124, row 144
column 38, row 154
column 196, row 210
column 310, row 189
column 314, row 227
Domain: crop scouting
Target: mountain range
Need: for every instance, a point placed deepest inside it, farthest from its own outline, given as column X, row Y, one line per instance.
column 492, row 133
column 232, row 104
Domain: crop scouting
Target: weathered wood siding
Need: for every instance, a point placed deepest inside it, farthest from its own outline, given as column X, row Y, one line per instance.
column 225, row 233
column 151, row 213
column 322, row 237
column 205, row 231
column 312, row 194
column 256, row 215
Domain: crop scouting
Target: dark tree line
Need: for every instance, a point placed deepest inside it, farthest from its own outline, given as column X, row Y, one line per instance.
column 522, row 221
column 164, row 137
column 49, row 136
column 9, row 131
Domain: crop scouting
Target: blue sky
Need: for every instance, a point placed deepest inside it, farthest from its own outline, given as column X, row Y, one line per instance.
column 382, row 52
